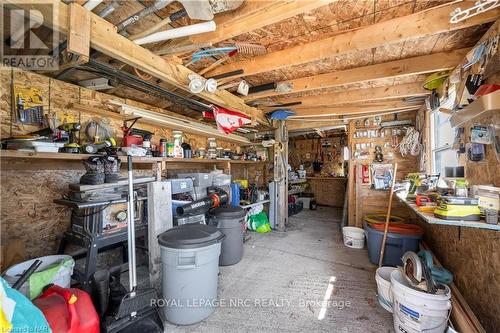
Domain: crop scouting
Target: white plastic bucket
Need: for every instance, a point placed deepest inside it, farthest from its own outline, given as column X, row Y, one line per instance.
column 384, row 295
column 417, row 311
column 354, row 237
column 61, row 278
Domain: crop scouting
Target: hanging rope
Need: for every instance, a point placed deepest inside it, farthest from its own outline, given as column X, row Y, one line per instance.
column 410, row 143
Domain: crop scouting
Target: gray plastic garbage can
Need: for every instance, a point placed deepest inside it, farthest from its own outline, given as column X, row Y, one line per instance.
column 229, row 220
column 190, row 257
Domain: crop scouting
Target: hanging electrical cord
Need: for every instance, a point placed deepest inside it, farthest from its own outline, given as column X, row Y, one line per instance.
column 410, row 144
column 132, row 81
column 142, row 75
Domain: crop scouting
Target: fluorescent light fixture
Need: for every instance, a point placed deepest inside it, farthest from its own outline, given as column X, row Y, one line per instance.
column 159, row 119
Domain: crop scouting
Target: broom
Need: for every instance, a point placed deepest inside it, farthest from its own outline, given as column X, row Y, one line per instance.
column 387, row 218
column 241, row 48
column 136, row 311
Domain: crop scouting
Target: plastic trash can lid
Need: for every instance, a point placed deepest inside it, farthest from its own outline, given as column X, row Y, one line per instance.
column 229, row 212
column 190, row 236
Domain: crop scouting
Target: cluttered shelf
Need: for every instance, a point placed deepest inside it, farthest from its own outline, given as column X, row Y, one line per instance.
column 326, row 178
column 429, row 218
column 12, row 154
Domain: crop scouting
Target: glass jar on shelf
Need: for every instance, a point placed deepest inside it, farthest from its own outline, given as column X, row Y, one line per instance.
column 201, row 153
column 220, row 152
column 211, row 153
column 211, row 143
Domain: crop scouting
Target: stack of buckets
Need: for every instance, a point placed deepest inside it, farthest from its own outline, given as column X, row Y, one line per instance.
column 413, row 310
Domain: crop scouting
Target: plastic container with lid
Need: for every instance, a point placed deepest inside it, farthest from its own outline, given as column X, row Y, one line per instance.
column 396, row 245
column 190, row 257
column 230, row 220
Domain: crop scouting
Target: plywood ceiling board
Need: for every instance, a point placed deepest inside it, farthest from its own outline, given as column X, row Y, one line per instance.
column 396, row 30
column 385, row 11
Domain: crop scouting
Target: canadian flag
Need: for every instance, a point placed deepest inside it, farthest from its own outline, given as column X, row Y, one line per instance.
column 227, row 121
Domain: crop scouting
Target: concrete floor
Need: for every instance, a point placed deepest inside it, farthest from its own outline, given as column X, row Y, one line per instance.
column 283, row 279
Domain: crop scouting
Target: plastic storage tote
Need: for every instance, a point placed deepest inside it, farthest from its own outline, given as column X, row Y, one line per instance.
column 199, row 178
column 395, row 246
column 190, row 264
column 229, row 220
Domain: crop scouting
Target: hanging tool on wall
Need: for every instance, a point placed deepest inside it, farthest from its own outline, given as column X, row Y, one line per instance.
column 29, row 105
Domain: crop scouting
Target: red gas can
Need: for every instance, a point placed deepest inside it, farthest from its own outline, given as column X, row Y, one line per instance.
column 68, row 310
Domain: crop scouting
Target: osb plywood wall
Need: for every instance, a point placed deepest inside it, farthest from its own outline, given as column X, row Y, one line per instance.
column 365, row 199
column 473, row 255
column 328, row 191
column 62, row 98
column 27, row 190
column 306, row 151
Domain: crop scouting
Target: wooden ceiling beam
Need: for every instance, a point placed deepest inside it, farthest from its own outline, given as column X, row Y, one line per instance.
column 410, row 66
column 304, row 124
column 255, row 14
column 358, row 95
column 428, row 22
column 104, row 38
column 313, row 112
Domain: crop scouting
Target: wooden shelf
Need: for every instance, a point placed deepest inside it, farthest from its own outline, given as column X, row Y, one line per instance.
column 490, row 102
column 326, row 178
column 295, row 191
column 429, row 218
column 23, row 155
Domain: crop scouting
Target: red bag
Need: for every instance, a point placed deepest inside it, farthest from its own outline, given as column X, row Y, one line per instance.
column 68, row 310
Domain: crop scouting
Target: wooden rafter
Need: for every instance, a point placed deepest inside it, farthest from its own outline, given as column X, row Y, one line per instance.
column 311, row 112
column 410, row 66
column 105, row 39
column 256, row 14
column 303, row 124
column 429, row 22
column 358, row 95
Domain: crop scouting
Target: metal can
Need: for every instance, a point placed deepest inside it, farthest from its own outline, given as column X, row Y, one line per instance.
column 162, row 148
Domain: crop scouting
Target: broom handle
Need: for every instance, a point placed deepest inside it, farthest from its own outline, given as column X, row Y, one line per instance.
column 131, row 228
column 387, row 218
column 215, row 64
